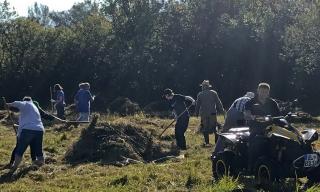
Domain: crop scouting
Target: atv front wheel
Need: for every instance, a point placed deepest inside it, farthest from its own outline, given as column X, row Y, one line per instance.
column 265, row 172
column 221, row 166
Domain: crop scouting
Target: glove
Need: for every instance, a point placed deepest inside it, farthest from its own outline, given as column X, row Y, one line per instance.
column 52, row 100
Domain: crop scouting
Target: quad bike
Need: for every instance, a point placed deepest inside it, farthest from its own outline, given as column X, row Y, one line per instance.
column 287, row 152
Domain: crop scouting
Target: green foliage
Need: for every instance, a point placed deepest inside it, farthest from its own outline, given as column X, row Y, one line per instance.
column 136, row 49
column 6, row 12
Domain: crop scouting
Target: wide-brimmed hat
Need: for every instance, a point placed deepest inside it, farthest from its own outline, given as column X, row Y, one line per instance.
column 205, row 83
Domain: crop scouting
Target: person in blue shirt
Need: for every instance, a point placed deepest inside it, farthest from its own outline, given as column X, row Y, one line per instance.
column 235, row 116
column 82, row 99
column 59, row 101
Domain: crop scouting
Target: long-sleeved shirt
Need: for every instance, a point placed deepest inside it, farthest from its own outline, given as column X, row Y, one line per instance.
column 178, row 104
column 208, row 103
column 239, row 104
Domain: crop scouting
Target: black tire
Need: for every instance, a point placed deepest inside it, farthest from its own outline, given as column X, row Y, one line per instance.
column 314, row 176
column 221, row 166
column 265, row 172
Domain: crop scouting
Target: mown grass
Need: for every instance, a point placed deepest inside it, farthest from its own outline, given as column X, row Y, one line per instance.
column 190, row 174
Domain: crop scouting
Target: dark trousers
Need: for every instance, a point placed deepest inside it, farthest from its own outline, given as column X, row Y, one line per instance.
column 209, row 126
column 257, row 148
column 180, row 128
column 33, row 139
column 206, row 137
column 32, row 153
column 60, row 111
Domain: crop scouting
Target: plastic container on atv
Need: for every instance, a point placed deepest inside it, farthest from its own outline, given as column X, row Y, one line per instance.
column 286, row 152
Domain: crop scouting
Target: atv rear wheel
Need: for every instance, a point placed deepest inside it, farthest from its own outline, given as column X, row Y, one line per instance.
column 265, row 172
column 221, row 166
column 314, row 176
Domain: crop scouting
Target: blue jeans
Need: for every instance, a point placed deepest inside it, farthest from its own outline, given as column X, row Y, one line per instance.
column 33, row 139
column 32, row 153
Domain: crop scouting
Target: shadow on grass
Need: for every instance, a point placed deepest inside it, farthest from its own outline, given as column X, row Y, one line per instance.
column 167, row 138
column 9, row 177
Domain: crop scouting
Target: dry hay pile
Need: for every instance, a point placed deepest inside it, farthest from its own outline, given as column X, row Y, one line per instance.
column 3, row 114
column 124, row 106
column 115, row 143
column 157, row 109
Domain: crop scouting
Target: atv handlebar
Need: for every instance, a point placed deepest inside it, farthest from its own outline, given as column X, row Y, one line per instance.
column 277, row 119
column 269, row 118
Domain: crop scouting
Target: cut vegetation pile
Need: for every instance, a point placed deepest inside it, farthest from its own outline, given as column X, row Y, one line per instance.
column 117, row 143
column 124, row 106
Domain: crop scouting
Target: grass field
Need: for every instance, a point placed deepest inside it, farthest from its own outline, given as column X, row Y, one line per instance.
column 193, row 173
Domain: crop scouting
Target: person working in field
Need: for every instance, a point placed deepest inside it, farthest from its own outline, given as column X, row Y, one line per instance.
column 260, row 105
column 30, row 132
column 59, row 102
column 44, row 115
column 208, row 104
column 177, row 103
column 83, row 99
column 235, row 116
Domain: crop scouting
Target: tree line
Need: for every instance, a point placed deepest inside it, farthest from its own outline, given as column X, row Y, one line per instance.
column 137, row 48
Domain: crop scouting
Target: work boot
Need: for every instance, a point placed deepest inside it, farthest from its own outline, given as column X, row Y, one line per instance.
column 16, row 163
column 39, row 162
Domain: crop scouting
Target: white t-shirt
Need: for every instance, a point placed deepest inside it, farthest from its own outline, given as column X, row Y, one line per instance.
column 29, row 116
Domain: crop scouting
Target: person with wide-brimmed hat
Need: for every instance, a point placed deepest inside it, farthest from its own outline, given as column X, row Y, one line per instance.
column 207, row 105
column 178, row 104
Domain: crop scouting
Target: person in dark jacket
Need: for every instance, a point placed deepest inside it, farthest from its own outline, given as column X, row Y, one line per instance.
column 208, row 104
column 260, row 105
column 178, row 104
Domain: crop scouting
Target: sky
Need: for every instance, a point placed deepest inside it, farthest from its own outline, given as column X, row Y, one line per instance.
column 21, row 6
